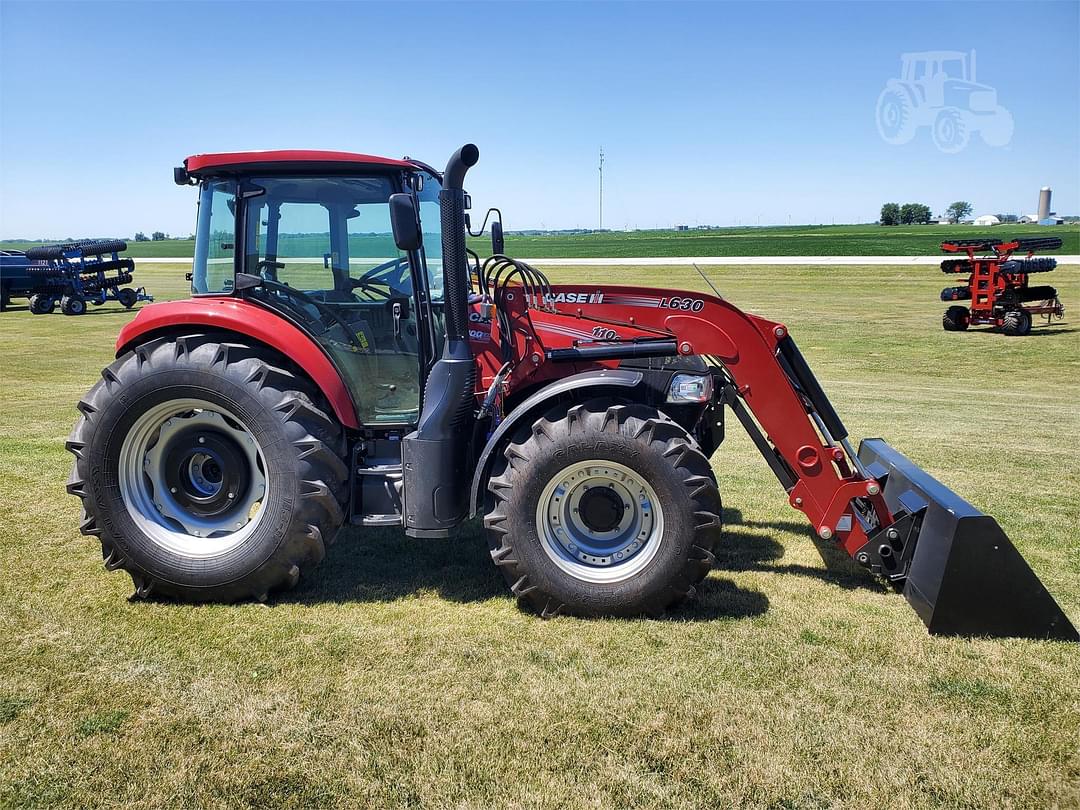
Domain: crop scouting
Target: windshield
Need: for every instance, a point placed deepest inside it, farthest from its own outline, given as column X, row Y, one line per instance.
column 329, row 235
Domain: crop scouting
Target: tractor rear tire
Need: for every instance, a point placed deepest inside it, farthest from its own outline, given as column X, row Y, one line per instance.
column 154, row 492
column 956, row 319
column 73, row 305
column 41, row 304
column 1016, row 323
column 603, row 509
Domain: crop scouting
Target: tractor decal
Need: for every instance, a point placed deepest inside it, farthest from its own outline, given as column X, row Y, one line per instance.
column 937, row 90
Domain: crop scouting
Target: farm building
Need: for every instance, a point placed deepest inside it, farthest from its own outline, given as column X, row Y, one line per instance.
column 987, row 219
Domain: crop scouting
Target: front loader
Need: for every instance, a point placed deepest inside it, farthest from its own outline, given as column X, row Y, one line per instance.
column 345, row 358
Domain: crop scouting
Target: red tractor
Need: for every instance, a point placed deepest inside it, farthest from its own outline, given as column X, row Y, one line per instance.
column 345, row 358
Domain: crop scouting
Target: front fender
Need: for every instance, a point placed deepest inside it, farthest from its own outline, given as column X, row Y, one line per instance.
column 251, row 321
column 595, row 382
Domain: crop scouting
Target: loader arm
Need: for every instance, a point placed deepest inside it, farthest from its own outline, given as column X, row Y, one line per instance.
column 802, row 434
column 956, row 566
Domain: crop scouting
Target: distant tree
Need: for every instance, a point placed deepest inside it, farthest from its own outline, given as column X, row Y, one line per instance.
column 141, row 237
column 958, row 210
column 1008, row 217
column 890, row 214
column 914, row 214
column 158, row 236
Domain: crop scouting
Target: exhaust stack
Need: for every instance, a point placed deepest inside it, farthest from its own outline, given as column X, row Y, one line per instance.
column 434, row 455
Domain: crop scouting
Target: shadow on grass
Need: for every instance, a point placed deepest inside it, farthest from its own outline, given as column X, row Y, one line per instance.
column 384, row 565
column 1053, row 329
column 748, row 546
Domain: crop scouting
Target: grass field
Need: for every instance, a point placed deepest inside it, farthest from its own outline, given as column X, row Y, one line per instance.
column 400, row 674
column 799, row 240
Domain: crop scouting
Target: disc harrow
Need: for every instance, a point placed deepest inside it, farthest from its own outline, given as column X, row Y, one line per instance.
column 997, row 284
column 74, row 274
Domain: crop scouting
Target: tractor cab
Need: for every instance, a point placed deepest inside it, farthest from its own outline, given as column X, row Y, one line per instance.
column 312, row 240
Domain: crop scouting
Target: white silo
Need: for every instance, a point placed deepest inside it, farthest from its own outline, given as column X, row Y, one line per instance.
column 1044, row 203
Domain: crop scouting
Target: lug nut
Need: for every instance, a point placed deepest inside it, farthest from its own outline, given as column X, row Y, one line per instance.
column 892, row 534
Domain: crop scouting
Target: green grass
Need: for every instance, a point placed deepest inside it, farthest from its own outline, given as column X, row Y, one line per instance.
column 797, row 240
column 400, row 674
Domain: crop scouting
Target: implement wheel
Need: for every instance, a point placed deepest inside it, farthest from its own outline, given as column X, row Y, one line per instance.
column 127, row 297
column 1016, row 323
column 41, row 304
column 206, row 470
column 603, row 509
column 956, row 319
column 73, row 305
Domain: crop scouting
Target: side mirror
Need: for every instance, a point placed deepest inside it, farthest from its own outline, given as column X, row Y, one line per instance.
column 405, row 222
column 498, row 244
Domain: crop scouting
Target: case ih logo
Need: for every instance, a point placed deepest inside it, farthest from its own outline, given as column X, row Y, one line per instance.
column 576, row 298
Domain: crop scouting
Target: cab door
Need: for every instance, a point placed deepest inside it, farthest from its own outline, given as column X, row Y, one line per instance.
column 326, row 248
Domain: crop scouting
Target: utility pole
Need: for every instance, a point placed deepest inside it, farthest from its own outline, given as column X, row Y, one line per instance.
column 601, row 189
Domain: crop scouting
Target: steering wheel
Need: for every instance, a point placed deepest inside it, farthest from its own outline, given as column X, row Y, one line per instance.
column 325, row 311
column 380, row 275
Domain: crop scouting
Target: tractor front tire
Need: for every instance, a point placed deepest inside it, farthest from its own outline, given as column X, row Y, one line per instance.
column 950, row 131
column 207, row 469
column 956, row 319
column 603, row 509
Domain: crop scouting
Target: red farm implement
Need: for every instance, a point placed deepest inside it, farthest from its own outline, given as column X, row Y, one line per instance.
column 998, row 288
column 345, row 358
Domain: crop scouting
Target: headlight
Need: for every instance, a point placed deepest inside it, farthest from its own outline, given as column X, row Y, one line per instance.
column 690, row 388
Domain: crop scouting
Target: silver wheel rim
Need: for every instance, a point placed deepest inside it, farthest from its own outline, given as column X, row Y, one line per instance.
column 601, row 552
column 171, row 463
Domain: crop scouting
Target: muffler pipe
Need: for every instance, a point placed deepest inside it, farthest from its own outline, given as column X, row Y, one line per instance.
column 455, row 258
column 435, row 455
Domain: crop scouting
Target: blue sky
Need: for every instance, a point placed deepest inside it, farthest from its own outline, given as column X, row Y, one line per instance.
column 708, row 113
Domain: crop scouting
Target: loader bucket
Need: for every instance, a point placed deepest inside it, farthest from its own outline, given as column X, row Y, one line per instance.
column 966, row 577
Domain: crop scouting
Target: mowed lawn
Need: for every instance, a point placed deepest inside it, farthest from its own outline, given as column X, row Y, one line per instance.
column 401, row 674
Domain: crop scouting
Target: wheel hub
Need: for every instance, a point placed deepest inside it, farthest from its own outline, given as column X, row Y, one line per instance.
column 599, row 521
column 192, row 477
column 601, row 509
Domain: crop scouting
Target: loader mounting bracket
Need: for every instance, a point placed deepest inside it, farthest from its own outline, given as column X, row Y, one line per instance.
column 888, row 550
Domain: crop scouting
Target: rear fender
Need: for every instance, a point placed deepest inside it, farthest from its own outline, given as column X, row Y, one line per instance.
column 586, row 385
column 250, row 321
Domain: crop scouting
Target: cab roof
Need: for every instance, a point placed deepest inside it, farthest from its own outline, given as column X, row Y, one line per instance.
column 289, row 159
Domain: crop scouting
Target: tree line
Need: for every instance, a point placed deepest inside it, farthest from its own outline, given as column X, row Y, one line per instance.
column 919, row 214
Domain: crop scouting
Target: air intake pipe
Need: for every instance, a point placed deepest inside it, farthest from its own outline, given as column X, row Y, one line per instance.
column 435, row 455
